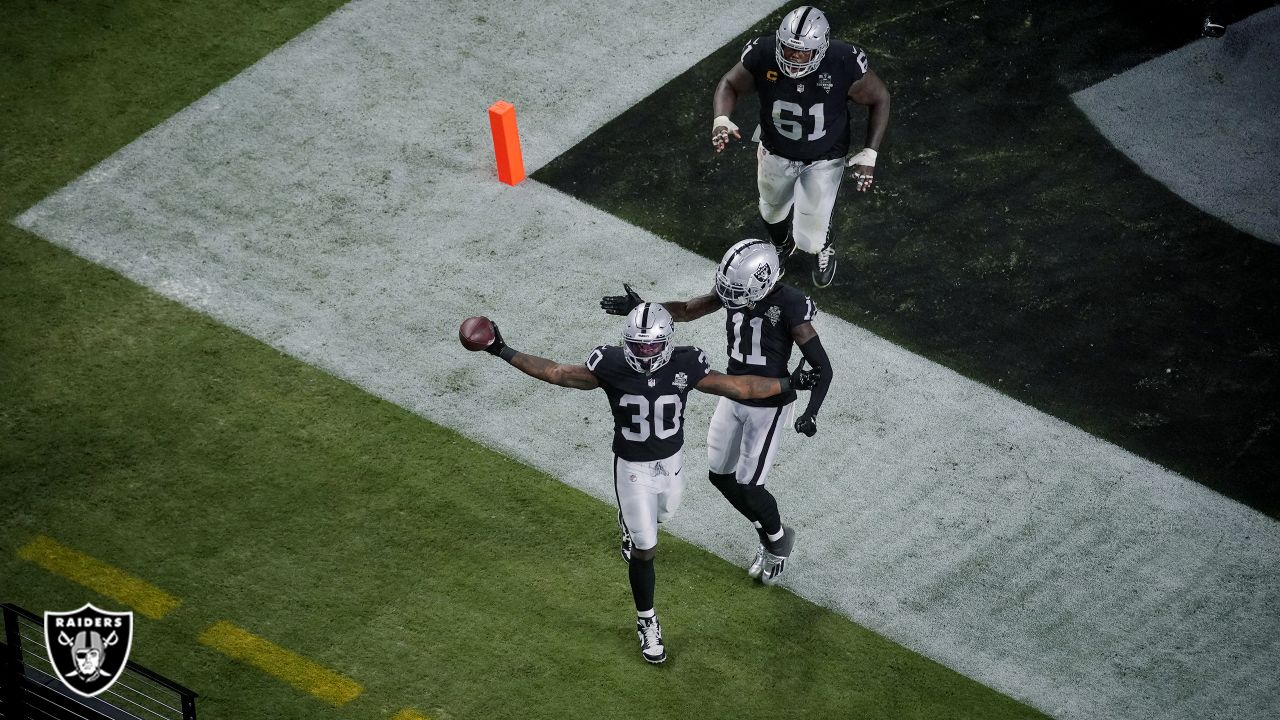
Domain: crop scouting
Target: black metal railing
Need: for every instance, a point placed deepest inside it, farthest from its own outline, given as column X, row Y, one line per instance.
column 31, row 690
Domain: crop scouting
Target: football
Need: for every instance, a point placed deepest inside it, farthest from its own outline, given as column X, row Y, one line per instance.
column 476, row 333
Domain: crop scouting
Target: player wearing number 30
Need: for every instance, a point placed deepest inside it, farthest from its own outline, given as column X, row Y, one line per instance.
column 764, row 320
column 805, row 81
column 647, row 381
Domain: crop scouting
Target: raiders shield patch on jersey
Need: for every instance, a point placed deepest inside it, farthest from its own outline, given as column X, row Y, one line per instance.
column 681, row 380
column 88, row 647
column 774, row 315
column 824, row 82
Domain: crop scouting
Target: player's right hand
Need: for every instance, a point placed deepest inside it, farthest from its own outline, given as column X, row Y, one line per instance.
column 495, row 348
column 721, row 128
column 621, row 304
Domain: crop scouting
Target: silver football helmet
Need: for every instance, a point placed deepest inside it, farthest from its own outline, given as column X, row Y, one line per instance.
column 649, row 337
column 806, row 30
column 747, row 273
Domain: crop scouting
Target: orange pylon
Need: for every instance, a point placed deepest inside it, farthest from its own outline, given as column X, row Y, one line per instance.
column 506, row 142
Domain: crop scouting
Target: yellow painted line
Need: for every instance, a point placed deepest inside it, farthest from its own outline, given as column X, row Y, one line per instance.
column 98, row 576
column 408, row 714
column 290, row 667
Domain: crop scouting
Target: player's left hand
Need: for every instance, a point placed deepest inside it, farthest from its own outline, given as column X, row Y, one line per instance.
column 863, row 163
column 807, row 424
column 863, row 175
column 621, row 304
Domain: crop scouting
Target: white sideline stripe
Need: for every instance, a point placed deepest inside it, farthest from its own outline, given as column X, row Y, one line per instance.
column 1202, row 120
column 337, row 201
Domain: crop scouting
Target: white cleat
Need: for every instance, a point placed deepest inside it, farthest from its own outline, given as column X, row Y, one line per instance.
column 757, row 563
column 775, row 557
column 651, row 647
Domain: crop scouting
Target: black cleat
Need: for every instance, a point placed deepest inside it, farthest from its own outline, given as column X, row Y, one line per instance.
column 824, row 267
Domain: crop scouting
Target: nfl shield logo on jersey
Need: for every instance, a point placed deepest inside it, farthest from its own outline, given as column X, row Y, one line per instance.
column 88, row 647
column 799, row 87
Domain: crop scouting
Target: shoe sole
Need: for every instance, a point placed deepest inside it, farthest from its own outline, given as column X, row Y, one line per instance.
column 651, row 661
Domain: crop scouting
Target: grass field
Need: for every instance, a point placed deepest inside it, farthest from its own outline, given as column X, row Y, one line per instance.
column 260, row 491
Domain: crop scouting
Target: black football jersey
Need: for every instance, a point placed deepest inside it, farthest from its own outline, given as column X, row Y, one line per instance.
column 648, row 410
column 759, row 338
column 805, row 118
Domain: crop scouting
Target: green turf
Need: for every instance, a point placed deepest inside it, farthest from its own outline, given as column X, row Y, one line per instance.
column 262, row 491
column 1005, row 238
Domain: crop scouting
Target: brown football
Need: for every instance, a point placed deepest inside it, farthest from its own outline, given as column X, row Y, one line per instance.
column 476, row 333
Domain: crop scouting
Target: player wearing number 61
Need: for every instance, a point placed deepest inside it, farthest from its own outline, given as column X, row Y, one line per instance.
column 805, row 81
column 764, row 320
column 647, row 381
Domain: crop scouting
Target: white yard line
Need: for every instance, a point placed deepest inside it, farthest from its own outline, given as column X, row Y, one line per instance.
column 1203, row 121
column 337, row 201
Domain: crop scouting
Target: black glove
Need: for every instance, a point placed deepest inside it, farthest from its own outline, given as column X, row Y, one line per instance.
column 621, row 304
column 802, row 379
column 498, row 345
column 807, row 424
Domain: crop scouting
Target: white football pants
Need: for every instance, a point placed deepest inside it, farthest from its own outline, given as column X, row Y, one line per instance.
column 743, row 440
column 648, row 493
column 811, row 187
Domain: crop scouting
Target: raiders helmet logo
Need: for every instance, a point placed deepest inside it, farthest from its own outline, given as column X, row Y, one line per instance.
column 88, row 647
column 764, row 272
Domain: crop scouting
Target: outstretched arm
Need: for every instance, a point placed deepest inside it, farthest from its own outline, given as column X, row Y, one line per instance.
column 681, row 310
column 743, row 387
column 686, row 310
column 570, row 376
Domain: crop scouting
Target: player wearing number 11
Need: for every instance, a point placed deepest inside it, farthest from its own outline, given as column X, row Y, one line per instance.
column 805, row 81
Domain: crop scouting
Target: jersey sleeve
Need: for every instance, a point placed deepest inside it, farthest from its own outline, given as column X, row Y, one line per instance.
column 595, row 361
column 799, row 308
column 701, row 365
column 856, row 63
column 752, row 55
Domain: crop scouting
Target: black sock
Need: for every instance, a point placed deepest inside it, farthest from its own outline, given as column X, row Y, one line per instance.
column 727, row 484
column 642, row 582
column 765, row 507
column 779, row 231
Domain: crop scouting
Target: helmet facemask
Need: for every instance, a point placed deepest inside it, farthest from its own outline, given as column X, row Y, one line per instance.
column 804, row 29
column 649, row 338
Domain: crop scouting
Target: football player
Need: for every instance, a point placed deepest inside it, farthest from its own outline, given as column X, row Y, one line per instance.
column 647, row 381
column 764, row 319
column 805, row 81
